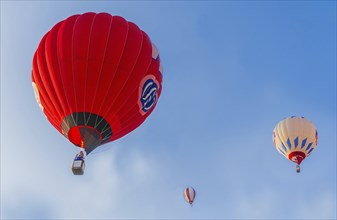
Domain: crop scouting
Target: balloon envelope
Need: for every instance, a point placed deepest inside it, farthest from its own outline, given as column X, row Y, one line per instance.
column 295, row 138
column 96, row 78
column 189, row 194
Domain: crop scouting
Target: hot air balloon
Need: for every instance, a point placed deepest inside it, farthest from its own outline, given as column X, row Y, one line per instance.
column 189, row 194
column 295, row 138
column 96, row 77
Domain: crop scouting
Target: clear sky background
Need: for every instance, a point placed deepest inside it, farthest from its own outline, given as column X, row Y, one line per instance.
column 232, row 70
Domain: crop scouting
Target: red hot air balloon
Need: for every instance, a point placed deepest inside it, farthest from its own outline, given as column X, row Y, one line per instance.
column 96, row 78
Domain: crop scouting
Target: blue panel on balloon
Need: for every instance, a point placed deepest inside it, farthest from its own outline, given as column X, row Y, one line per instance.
column 284, row 147
column 289, row 144
column 303, row 143
column 309, row 145
column 296, row 142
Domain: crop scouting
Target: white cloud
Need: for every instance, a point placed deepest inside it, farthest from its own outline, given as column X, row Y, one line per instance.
column 114, row 183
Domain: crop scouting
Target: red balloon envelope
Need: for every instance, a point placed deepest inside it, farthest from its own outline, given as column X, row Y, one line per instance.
column 96, row 77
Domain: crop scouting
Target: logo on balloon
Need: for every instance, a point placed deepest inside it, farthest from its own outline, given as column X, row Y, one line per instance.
column 148, row 93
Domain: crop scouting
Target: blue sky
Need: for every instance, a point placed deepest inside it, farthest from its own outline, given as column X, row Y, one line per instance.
column 232, row 70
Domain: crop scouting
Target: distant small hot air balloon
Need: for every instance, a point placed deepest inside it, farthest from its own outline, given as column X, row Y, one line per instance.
column 295, row 138
column 96, row 77
column 189, row 194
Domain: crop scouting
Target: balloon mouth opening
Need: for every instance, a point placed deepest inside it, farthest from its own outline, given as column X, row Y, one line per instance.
column 86, row 130
column 297, row 157
column 85, row 137
column 81, row 135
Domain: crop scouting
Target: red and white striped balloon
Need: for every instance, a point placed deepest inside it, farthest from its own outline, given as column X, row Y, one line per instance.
column 189, row 194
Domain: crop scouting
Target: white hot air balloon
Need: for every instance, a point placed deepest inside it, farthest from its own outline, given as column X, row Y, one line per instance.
column 295, row 138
